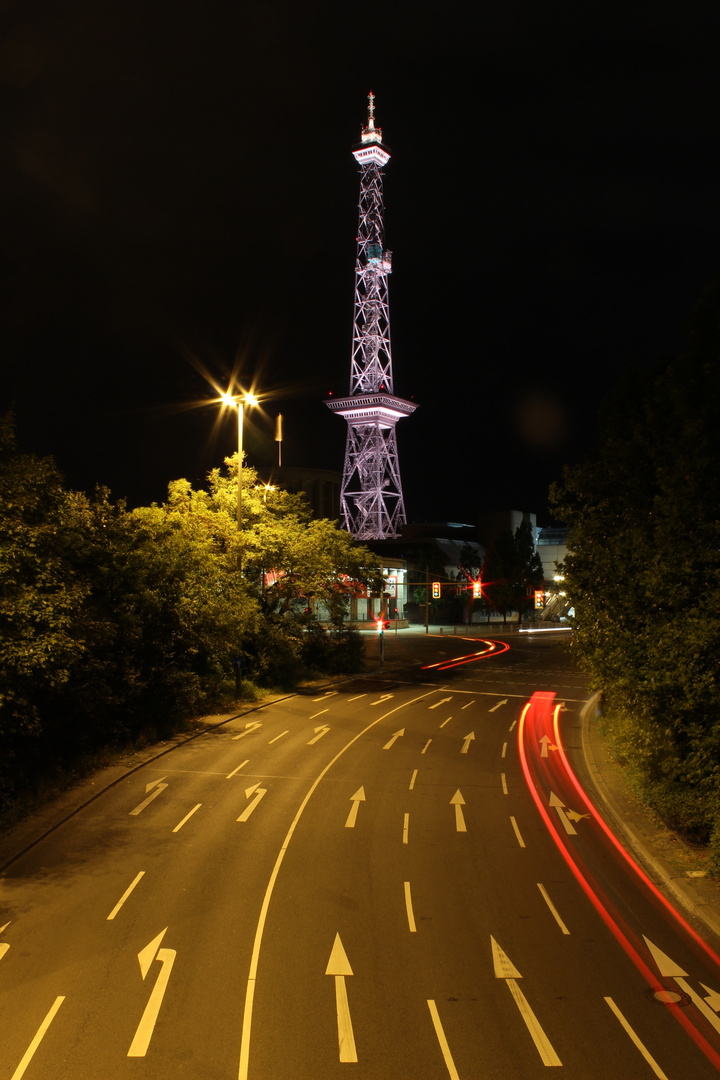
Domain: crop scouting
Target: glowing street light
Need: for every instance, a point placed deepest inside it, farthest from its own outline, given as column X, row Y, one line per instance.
column 239, row 401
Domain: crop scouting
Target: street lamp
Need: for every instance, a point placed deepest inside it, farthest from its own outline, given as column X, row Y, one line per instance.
column 239, row 401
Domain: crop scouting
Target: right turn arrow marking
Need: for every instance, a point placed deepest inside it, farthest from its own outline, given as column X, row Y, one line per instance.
column 339, row 966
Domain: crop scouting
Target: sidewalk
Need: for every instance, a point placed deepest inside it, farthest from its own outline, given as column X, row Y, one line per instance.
column 678, row 867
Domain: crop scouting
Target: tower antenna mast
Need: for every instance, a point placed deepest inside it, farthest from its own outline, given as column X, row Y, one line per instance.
column 371, row 498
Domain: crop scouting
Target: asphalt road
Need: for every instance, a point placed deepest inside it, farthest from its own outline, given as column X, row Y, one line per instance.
column 397, row 878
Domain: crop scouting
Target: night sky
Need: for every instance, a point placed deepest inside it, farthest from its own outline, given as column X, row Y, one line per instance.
column 178, row 207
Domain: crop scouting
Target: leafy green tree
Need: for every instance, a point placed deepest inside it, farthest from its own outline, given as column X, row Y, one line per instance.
column 644, row 568
column 40, row 594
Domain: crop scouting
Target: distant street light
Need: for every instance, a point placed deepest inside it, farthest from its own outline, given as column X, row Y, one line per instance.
column 239, row 401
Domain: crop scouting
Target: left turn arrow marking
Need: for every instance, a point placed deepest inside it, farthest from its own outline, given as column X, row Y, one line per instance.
column 323, row 730
column 259, row 793
column 146, row 1027
column 158, row 789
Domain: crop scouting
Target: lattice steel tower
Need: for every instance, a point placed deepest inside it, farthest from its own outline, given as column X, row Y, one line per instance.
column 371, row 498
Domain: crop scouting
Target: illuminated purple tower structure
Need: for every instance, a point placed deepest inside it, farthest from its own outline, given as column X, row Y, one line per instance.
column 371, row 499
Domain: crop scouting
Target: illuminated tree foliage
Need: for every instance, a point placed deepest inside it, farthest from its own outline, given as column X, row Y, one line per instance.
column 644, row 573
column 116, row 623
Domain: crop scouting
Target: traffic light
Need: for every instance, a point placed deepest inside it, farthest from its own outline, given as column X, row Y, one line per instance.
column 380, row 624
column 436, row 590
column 477, row 589
column 539, row 599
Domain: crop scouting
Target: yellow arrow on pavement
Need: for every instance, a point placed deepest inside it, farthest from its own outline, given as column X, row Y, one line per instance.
column 339, row 966
column 356, row 799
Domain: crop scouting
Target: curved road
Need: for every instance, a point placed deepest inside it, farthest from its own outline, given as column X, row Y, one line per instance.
column 401, row 877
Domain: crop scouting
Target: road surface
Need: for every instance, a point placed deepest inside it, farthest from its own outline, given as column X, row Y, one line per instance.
column 398, row 877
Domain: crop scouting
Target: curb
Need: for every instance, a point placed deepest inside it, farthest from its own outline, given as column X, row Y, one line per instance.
column 682, row 890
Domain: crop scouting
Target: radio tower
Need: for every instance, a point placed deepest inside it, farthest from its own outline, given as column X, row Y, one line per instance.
column 371, row 498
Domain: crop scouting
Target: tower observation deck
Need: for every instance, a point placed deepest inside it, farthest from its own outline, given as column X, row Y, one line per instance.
column 371, row 499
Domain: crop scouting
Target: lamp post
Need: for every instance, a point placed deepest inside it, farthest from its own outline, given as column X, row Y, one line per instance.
column 239, row 401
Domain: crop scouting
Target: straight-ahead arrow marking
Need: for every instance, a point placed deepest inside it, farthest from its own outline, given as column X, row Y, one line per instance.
column 468, row 739
column 383, row 697
column 259, row 793
column 498, row 705
column 144, row 1033
column 394, row 737
column 505, row 969
column 458, row 802
column 323, row 730
column 440, row 702
column 339, row 966
column 559, row 804
column 139, row 809
column 152, row 784
column 671, row 970
column 249, row 728
column 356, row 799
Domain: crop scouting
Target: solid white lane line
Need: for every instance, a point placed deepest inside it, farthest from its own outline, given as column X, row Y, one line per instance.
column 279, row 736
column 124, row 896
column 454, row 1074
column 638, row 1042
column 412, row 779
column 520, row 840
column 504, row 783
column 260, row 929
column 426, row 746
column 409, row 908
column 446, row 721
column 187, row 817
column 406, row 826
column 28, row 1055
column 246, row 762
column 553, row 909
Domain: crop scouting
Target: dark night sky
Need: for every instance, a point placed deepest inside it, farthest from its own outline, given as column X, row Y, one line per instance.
column 177, row 195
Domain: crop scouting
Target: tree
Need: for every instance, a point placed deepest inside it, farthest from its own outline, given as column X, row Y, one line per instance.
column 40, row 594
column 512, row 570
column 644, row 568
